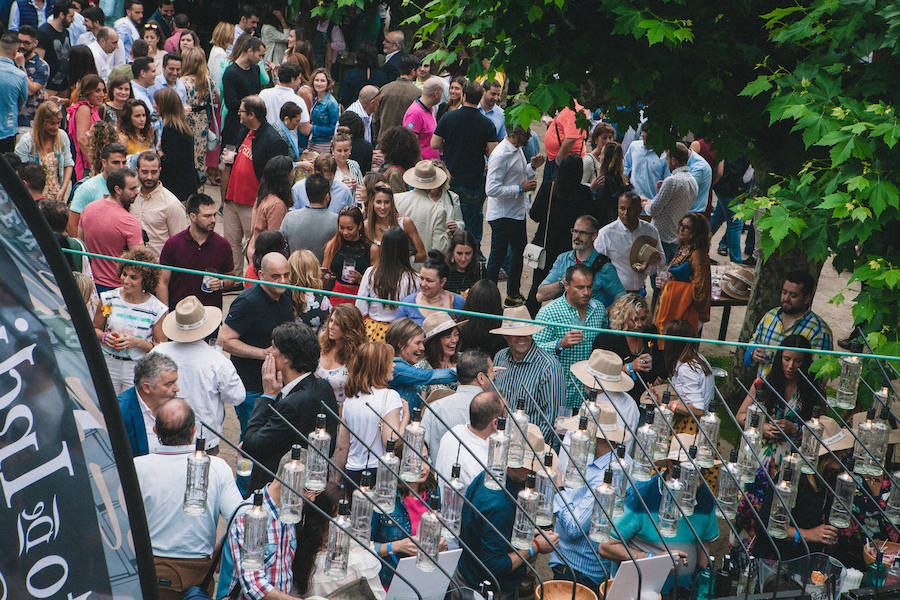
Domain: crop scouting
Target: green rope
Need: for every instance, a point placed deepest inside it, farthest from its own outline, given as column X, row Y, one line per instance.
column 469, row 313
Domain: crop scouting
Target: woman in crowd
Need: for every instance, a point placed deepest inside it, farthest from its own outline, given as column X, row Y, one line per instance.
column 222, row 37
column 483, row 297
column 119, row 94
column 343, row 333
column 455, row 100
column 431, row 291
column 690, row 376
column 610, row 183
column 267, row 241
column 324, row 112
column 400, row 147
column 449, row 201
column 391, row 277
column 134, row 129
column 348, row 170
column 602, row 134
column 367, row 192
column 84, row 113
column 273, row 198
column 311, row 308
column 150, row 34
column 200, row 95
column 366, row 72
column 48, row 145
column 465, row 270
column 360, row 149
column 640, row 355
column 441, row 346
column 348, row 254
column 686, row 293
column 274, row 34
column 129, row 322
column 81, row 64
column 299, row 52
column 102, row 134
column 176, row 144
column 381, row 215
column 407, row 338
column 186, row 40
column 371, row 370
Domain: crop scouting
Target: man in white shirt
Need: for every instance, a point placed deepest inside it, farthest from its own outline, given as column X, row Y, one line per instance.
column 473, row 370
column 170, row 77
column 159, row 211
column 673, row 200
column 483, row 412
column 104, row 51
column 285, row 90
column 615, row 241
column 207, row 378
column 429, row 216
column 93, row 21
column 365, row 106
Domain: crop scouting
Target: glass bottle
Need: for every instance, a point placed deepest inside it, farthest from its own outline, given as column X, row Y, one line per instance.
column 876, row 573
column 591, row 410
column 882, row 431
column 518, row 425
column 729, row 493
column 498, row 452
column 316, row 463
column 414, row 440
column 197, row 480
column 429, row 534
column 848, row 385
column 866, row 438
column 706, row 448
column 662, row 423
column 254, row 546
column 579, row 445
column 337, row 552
column 754, row 409
column 644, row 448
column 523, row 529
column 452, row 493
column 604, row 505
column 778, row 515
column 690, row 479
column 844, row 489
column 361, row 514
column 809, row 447
column 750, row 448
column 668, row 506
column 386, row 479
column 545, row 486
column 793, row 461
column 290, row 509
column 619, row 470
column 892, row 510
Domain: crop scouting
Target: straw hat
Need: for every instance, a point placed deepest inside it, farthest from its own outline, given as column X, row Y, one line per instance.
column 603, row 368
column 191, row 321
column 608, row 424
column 894, row 435
column 532, row 461
column 424, row 176
column 644, row 250
column 517, row 327
column 679, row 454
column 738, row 282
column 743, row 274
column 437, row 323
column 833, row 437
column 658, row 390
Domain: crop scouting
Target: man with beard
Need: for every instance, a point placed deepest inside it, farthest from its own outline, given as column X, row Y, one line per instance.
column 792, row 317
column 106, row 227
column 160, row 213
column 197, row 247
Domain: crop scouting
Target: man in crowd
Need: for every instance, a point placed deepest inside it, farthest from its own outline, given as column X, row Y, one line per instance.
column 564, row 137
column 155, row 383
column 13, row 90
column 312, row 226
column 607, row 286
column 643, row 166
column 33, row 13
column 466, row 138
column 170, row 77
column 575, row 307
column 56, row 214
column 525, row 369
column 365, row 106
column 419, row 117
column 247, row 23
column 200, row 248
column 182, row 544
column 159, row 212
column 54, row 45
column 393, row 53
column 676, row 194
column 702, row 173
column 128, row 27
column 794, row 316
column 260, row 144
column 206, row 377
column 480, row 423
column 284, row 91
column 143, row 71
column 615, row 241
column 429, row 216
column 474, row 371
column 94, row 19
column 106, row 227
column 247, row 332
column 509, row 176
column 164, row 15
column 112, row 157
column 490, row 109
column 104, row 51
column 291, row 387
column 339, row 194
column 397, row 95
column 37, row 71
column 34, row 178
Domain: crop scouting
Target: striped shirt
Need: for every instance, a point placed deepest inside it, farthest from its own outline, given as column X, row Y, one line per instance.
column 560, row 311
column 541, row 375
column 131, row 319
column 771, row 331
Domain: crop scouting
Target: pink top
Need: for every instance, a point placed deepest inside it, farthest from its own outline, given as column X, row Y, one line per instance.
column 421, row 121
column 81, row 162
column 416, row 508
column 108, row 229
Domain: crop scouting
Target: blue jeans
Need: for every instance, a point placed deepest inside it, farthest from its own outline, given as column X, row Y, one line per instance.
column 724, row 213
column 245, row 409
column 471, row 203
column 504, row 233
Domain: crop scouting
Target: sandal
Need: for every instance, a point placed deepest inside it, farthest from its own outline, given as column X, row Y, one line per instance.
column 722, row 251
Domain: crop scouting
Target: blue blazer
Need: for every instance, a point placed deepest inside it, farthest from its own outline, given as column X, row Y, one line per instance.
column 134, row 422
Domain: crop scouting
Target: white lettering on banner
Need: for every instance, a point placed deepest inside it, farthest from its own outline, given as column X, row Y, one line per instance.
column 61, row 461
column 29, row 438
column 81, row 597
column 26, row 542
column 3, row 590
column 44, row 563
column 6, row 366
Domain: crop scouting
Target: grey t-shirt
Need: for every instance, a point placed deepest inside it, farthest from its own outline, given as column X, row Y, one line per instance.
column 310, row 229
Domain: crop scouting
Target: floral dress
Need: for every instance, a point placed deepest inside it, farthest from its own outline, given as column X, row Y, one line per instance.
column 317, row 309
column 201, row 105
column 50, row 164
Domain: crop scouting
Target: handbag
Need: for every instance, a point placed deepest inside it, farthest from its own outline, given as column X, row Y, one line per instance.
column 212, row 137
column 535, row 256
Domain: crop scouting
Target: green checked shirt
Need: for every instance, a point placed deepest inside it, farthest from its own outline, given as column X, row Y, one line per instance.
column 560, row 311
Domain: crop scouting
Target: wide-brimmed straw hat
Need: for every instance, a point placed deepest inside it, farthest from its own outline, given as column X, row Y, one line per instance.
column 191, row 321
column 532, row 461
column 424, row 176
column 738, row 282
column 517, row 327
column 679, row 454
column 603, row 369
column 608, row 422
column 834, row 438
column 644, row 250
column 437, row 323
column 659, row 390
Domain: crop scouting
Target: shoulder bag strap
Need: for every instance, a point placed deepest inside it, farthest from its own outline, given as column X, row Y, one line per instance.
column 547, row 220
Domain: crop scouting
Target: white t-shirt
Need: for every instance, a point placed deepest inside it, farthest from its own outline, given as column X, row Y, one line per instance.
column 693, row 385
column 276, row 97
column 378, row 311
column 474, row 447
column 131, row 319
column 366, row 424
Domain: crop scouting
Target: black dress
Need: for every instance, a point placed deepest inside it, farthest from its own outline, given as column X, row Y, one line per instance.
column 619, row 345
column 177, row 172
column 460, row 282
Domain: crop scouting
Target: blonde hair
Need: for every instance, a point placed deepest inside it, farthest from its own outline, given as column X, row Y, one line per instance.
column 171, row 110
column 401, row 331
column 305, row 272
column 369, row 369
column 223, row 35
column 45, row 112
column 626, row 305
column 193, row 64
column 85, row 286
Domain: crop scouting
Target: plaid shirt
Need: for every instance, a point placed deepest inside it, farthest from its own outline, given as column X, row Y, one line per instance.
column 560, row 311
column 771, row 331
column 539, row 373
column 281, row 544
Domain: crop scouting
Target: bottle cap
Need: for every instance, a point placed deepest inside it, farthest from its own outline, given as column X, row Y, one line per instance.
column 754, row 420
column 692, row 451
column 455, row 471
column 434, row 501
column 816, row 411
column 416, row 415
column 649, row 416
column 666, row 395
column 530, row 481
column 788, row 473
column 850, row 463
column 295, row 452
column 620, row 451
column 200, row 445
column 501, row 423
column 871, row 414
column 520, row 403
column 582, row 423
column 344, row 508
column 732, row 457
column 607, row 476
column 320, row 421
column 676, row 471
column 885, row 413
column 391, row 444
column 365, row 479
column 257, row 498
column 548, row 459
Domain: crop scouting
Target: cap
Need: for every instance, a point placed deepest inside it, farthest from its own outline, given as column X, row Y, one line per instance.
column 816, row 411
column 607, row 477
column 530, row 481
column 416, row 414
column 666, row 395
column 257, row 498
column 344, row 508
column 454, row 471
column 548, row 459
column 676, row 471
column 582, row 423
column 320, row 421
column 296, row 450
column 434, row 501
column 365, row 479
column 391, row 444
column 692, row 451
column 871, row 414
column 200, row 445
column 501, row 423
column 649, row 416
column 754, row 420
column 520, row 403
column 621, row 451
column 788, row 473
column 732, row 457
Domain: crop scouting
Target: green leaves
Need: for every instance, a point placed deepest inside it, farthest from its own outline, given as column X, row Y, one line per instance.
column 757, row 86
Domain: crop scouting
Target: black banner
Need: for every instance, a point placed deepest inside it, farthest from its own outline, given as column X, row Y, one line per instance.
column 72, row 520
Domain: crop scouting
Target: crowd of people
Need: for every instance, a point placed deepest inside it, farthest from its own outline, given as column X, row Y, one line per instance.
column 368, row 186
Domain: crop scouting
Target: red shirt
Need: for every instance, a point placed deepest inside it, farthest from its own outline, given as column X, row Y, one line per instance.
column 109, row 229
column 243, row 184
column 562, row 128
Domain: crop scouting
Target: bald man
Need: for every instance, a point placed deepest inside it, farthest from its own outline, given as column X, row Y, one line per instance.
column 247, row 332
column 365, row 106
column 104, row 51
column 419, row 117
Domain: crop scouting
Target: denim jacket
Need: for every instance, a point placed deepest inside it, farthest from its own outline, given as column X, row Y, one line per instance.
column 324, row 116
column 409, row 380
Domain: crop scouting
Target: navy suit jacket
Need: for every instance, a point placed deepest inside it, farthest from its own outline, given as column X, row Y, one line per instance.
column 392, row 67
column 134, row 422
